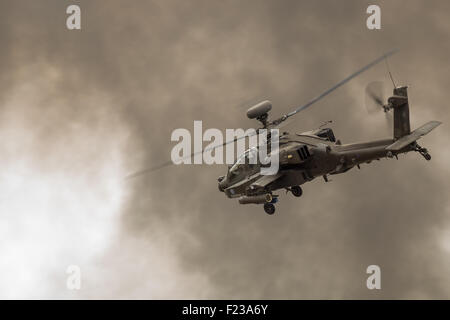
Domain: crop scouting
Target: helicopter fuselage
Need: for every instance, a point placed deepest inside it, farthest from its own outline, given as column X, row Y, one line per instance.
column 302, row 158
column 306, row 156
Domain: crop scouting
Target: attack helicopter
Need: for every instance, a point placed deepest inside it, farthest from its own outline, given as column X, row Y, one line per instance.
column 306, row 156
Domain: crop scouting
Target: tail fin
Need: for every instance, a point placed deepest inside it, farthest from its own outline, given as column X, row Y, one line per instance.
column 399, row 102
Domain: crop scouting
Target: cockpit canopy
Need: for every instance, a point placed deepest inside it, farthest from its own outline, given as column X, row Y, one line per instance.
column 249, row 159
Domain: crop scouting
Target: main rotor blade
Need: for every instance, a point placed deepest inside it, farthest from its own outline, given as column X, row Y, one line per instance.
column 324, row 94
column 274, row 124
column 169, row 163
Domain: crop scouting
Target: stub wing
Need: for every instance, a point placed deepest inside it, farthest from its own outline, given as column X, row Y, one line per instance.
column 264, row 181
column 255, row 183
column 413, row 136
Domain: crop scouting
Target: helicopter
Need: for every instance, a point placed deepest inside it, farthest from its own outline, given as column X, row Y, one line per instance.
column 306, row 156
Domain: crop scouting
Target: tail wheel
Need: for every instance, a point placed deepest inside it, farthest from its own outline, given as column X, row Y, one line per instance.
column 296, row 191
column 269, row 208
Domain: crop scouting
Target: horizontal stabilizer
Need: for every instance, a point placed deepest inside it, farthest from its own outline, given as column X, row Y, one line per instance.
column 413, row 136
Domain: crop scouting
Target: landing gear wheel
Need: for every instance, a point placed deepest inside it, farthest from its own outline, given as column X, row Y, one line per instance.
column 269, row 208
column 296, row 191
column 422, row 151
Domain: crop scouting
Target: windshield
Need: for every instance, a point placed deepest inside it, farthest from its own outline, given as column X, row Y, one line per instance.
column 248, row 157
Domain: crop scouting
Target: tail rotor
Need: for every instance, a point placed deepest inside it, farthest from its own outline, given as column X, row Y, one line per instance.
column 375, row 100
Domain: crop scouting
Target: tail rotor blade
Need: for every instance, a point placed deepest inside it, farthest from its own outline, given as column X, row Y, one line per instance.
column 374, row 97
column 389, row 119
column 339, row 84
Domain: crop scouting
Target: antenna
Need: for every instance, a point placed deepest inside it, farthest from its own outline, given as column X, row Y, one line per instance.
column 389, row 71
column 325, row 123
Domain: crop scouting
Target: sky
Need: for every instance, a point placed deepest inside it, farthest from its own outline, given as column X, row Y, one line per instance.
column 81, row 109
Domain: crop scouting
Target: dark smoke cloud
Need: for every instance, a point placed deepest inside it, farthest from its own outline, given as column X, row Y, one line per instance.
column 137, row 71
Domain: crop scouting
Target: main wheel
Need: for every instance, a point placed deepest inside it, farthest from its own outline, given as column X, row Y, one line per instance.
column 269, row 208
column 296, row 191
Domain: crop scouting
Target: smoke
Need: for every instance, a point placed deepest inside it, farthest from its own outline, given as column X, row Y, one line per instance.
column 82, row 109
column 60, row 185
